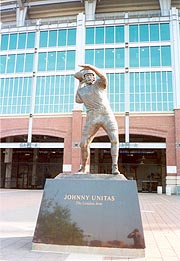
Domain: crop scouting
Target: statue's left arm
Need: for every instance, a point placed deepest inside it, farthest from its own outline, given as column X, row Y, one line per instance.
column 79, row 77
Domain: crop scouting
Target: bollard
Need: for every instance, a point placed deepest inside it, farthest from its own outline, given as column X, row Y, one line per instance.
column 168, row 190
column 159, row 189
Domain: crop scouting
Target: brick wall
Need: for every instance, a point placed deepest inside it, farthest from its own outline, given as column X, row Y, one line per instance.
column 70, row 127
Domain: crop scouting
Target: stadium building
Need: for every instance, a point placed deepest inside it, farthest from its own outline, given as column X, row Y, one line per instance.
column 137, row 44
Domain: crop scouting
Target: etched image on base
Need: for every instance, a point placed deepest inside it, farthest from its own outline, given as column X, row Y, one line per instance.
column 90, row 212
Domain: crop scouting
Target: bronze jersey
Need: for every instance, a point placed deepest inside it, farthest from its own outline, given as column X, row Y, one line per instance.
column 94, row 98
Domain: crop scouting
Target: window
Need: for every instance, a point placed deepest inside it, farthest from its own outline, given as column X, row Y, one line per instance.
column 51, row 58
column 119, row 34
column 154, row 32
column 64, row 60
column 109, row 58
column 151, row 91
column 164, row 32
column 62, row 37
column 2, row 63
column 31, row 40
column 99, row 58
column 20, row 63
column 149, row 32
column 119, row 58
column 133, row 33
column 13, row 41
column 99, row 35
column 4, row 41
column 17, row 63
column 144, row 56
column 16, row 95
column 70, row 64
column 10, row 63
column 54, row 94
column 105, row 58
column 105, row 34
column 42, row 60
column 144, row 32
column 109, row 34
column 17, row 41
column 134, row 57
column 43, row 39
column 90, row 35
column 52, row 38
column 166, row 55
column 116, row 91
column 71, row 36
column 61, row 60
column 22, row 41
column 89, row 56
column 29, row 62
column 155, row 55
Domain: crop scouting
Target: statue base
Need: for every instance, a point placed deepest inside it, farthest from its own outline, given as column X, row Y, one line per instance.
column 92, row 214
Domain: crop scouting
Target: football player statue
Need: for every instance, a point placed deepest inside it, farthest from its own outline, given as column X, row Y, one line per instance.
column 92, row 93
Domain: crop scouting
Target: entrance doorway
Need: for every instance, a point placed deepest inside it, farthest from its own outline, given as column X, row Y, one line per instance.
column 146, row 166
column 28, row 168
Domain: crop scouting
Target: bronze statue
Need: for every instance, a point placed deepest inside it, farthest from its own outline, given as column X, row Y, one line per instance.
column 93, row 94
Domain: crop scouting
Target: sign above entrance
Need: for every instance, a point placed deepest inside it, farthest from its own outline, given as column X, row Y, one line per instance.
column 94, row 145
column 131, row 145
column 32, row 145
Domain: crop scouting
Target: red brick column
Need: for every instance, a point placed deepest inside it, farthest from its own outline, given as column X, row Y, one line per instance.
column 67, row 157
column 171, row 162
column 76, row 138
column 177, row 139
column 170, row 149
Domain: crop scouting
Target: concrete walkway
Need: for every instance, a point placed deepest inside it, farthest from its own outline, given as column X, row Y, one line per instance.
column 19, row 211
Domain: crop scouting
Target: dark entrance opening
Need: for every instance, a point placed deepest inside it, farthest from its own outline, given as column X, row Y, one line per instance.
column 28, row 168
column 146, row 166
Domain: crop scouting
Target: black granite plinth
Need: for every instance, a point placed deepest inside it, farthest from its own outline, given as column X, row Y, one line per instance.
column 90, row 213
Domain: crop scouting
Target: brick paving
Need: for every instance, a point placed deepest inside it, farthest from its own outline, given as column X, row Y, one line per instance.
column 19, row 210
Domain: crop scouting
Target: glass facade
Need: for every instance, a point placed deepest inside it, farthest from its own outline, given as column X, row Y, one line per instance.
column 149, row 32
column 17, row 41
column 136, row 57
column 63, row 37
column 116, row 91
column 149, row 50
column 152, row 56
column 56, row 61
column 15, row 95
column 105, row 58
column 105, row 35
column 54, row 94
column 19, row 53
column 151, row 91
column 17, row 63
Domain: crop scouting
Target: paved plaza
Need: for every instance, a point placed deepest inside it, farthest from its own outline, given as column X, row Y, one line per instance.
column 19, row 211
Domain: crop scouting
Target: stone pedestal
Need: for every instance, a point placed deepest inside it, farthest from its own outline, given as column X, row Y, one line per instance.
column 92, row 213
